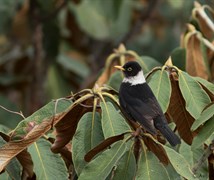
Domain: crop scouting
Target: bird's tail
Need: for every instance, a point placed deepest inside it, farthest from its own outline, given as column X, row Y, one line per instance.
column 170, row 135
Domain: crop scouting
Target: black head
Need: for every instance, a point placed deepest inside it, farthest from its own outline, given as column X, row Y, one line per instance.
column 131, row 68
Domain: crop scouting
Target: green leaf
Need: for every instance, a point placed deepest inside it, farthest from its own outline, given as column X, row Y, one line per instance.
column 87, row 136
column 73, row 65
column 5, row 176
column 148, row 63
column 161, row 87
column 103, row 164
column 195, row 97
column 45, row 112
column 13, row 168
column 204, row 134
column 115, row 80
column 149, row 167
column 56, row 85
column 126, row 167
column 205, row 116
column 46, row 164
column 207, row 84
column 96, row 26
column 179, row 163
column 112, row 122
column 178, row 56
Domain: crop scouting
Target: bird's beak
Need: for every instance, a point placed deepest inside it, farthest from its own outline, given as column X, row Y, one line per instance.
column 120, row 68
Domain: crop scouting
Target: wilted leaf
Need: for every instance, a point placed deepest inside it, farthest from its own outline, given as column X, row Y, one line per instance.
column 126, row 168
column 195, row 97
column 46, row 164
column 178, row 112
column 112, row 122
column 87, row 136
column 205, row 23
column 157, row 150
column 27, row 164
column 149, row 167
column 205, row 116
column 103, row 164
column 66, row 128
column 161, row 87
column 31, row 129
column 195, row 62
column 13, row 168
column 204, row 133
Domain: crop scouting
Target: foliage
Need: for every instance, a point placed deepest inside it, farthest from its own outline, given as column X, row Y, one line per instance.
column 85, row 134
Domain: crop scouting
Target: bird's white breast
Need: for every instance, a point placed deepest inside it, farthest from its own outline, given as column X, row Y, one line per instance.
column 135, row 80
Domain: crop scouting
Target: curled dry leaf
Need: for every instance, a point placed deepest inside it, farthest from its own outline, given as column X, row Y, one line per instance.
column 157, row 149
column 103, row 145
column 195, row 62
column 46, row 121
column 204, row 21
column 178, row 112
column 66, row 128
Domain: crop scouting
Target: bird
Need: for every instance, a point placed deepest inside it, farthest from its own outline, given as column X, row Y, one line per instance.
column 139, row 103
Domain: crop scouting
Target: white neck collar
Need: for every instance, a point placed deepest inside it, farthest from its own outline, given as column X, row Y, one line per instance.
column 135, row 80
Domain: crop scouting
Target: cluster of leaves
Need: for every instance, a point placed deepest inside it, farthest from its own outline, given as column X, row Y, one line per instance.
column 89, row 136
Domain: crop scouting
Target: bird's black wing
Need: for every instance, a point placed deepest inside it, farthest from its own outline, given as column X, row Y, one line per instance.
column 140, row 103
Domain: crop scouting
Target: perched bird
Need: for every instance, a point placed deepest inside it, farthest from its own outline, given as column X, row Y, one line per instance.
column 139, row 103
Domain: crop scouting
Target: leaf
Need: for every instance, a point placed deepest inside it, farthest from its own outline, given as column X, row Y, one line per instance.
column 75, row 66
column 149, row 167
column 13, row 168
column 31, row 129
column 205, row 23
column 126, row 168
column 87, row 136
column 148, row 63
column 46, row 164
column 102, row 146
column 103, row 164
column 192, row 156
column 115, row 80
column 178, row 56
column 205, row 116
column 66, row 128
column 97, row 26
column 27, row 164
column 207, row 84
column 112, row 122
column 179, row 163
column 177, row 111
column 55, row 81
column 204, row 133
column 195, row 62
column 161, row 87
column 195, row 97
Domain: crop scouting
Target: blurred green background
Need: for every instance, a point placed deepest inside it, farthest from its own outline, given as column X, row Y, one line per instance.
column 50, row 48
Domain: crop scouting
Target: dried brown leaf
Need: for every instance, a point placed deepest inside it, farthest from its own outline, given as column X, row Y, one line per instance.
column 195, row 63
column 178, row 112
column 157, row 149
column 103, row 145
column 13, row 148
column 66, row 128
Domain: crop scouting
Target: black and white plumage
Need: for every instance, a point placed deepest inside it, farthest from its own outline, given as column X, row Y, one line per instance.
column 139, row 103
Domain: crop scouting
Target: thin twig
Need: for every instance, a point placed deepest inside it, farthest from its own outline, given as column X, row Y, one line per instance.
column 14, row 112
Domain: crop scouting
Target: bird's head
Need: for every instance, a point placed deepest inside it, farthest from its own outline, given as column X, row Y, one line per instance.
column 130, row 69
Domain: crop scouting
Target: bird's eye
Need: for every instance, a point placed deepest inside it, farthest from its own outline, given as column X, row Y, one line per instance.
column 129, row 69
